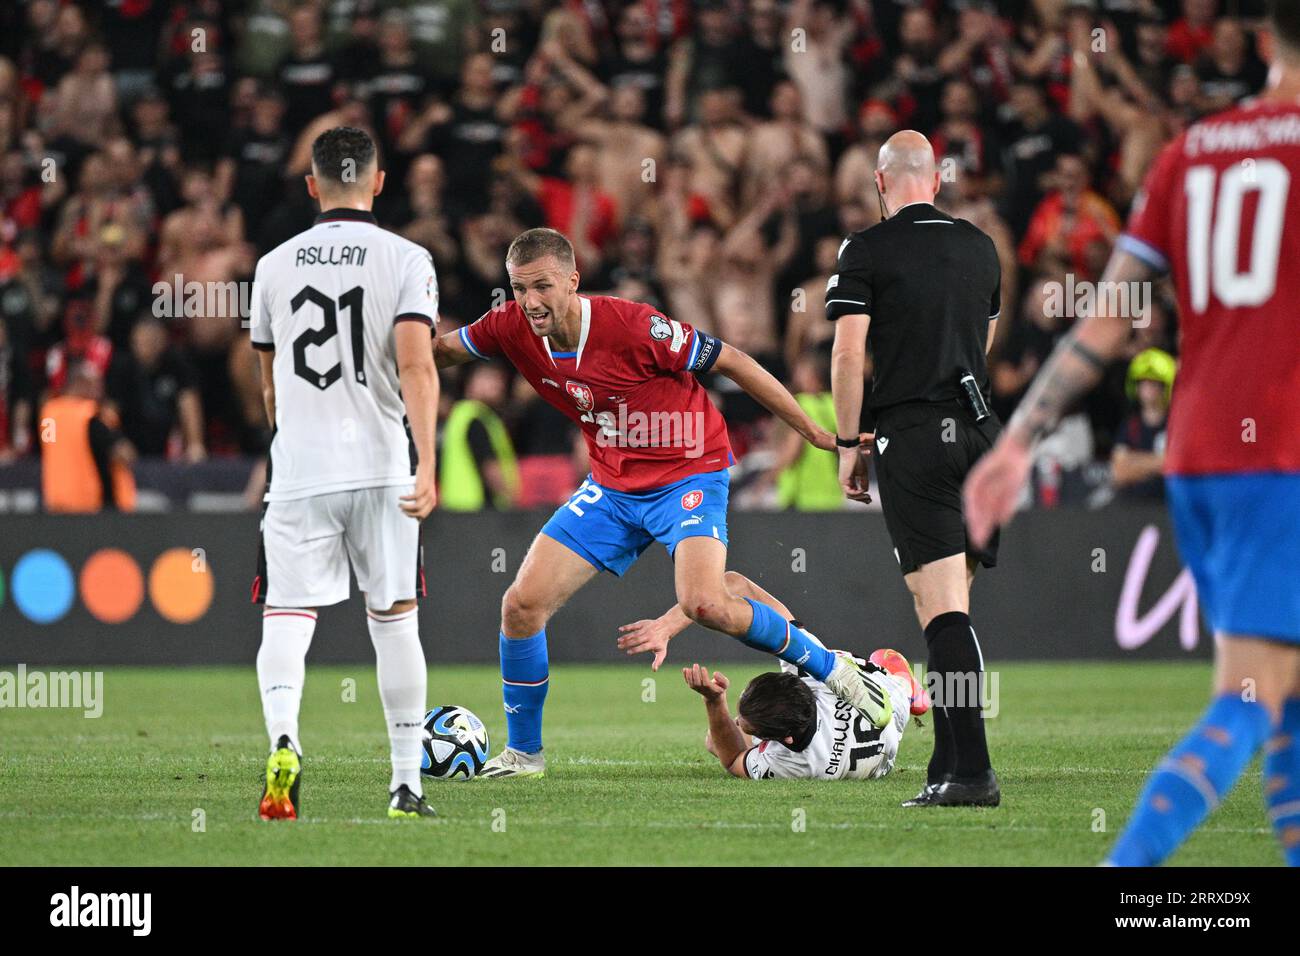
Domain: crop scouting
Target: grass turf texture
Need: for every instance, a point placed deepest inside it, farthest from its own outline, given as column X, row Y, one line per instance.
column 628, row 780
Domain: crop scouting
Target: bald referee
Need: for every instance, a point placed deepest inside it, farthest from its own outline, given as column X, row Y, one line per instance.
column 923, row 289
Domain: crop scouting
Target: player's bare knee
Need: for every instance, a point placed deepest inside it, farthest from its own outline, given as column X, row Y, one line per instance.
column 521, row 613
column 736, row 583
column 706, row 608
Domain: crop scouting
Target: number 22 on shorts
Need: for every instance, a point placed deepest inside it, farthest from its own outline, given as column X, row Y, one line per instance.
column 588, row 494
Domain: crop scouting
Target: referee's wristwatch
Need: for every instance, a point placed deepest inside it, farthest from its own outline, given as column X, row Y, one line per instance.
column 853, row 442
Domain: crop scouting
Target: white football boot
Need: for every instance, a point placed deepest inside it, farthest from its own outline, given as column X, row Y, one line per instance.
column 863, row 686
column 511, row 763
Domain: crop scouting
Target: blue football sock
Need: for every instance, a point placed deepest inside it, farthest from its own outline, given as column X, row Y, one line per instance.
column 1192, row 779
column 771, row 632
column 525, row 676
column 1282, row 781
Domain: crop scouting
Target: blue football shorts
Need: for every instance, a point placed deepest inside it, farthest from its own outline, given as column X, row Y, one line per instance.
column 1239, row 535
column 611, row 528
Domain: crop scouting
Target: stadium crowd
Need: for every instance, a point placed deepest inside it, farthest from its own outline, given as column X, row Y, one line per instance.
column 707, row 157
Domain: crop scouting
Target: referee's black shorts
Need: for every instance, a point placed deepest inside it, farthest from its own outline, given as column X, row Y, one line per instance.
column 922, row 454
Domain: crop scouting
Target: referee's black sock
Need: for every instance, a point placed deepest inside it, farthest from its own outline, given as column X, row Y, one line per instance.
column 957, row 687
column 941, row 761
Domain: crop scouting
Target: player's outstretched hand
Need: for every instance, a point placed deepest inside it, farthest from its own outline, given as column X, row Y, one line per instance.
column 646, row 637
column 710, row 688
column 421, row 501
column 993, row 488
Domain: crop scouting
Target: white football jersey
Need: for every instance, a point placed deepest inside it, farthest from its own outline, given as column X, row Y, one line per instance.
column 844, row 746
column 327, row 302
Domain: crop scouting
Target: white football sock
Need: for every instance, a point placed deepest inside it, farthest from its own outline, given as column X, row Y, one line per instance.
column 399, row 663
column 282, row 668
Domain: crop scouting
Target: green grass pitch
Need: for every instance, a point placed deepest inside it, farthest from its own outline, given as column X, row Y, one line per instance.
column 628, row 780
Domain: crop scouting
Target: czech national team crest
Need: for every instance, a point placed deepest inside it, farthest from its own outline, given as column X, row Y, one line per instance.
column 691, row 500
column 582, row 395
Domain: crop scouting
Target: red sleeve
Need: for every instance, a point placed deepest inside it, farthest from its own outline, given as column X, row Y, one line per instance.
column 1148, row 235
column 675, row 346
column 483, row 337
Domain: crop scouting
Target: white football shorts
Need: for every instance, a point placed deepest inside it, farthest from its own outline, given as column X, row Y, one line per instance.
column 309, row 542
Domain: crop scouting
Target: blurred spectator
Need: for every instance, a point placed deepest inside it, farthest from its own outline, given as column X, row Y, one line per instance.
column 15, row 400
column 712, row 59
column 1193, row 32
column 808, row 480
column 441, row 31
column 87, row 99
column 466, row 131
column 1068, row 223
column 477, row 466
column 395, row 89
column 1229, row 71
column 85, row 462
column 199, row 95
column 917, row 77
column 628, row 152
column 252, row 169
column 423, row 217
column 819, row 64
column 574, row 204
column 116, row 285
column 774, row 145
column 637, row 62
column 1138, row 457
column 705, row 157
column 980, row 53
column 714, row 149
column 806, row 328
column 961, row 143
column 1036, row 137
column 156, row 393
column 307, row 75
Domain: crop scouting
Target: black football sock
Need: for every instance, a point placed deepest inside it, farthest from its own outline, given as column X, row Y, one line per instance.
column 956, row 663
column 943, row 759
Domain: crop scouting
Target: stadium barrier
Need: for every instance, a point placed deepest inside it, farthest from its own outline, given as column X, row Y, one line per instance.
column 175, row 589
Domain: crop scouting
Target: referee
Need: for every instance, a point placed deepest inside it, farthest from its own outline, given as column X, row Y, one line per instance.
column 924, row 289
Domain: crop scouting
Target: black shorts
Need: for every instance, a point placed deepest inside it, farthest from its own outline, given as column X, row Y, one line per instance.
column 922, row 455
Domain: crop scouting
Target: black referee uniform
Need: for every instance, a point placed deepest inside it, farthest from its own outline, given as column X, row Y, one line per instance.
column 930, row 284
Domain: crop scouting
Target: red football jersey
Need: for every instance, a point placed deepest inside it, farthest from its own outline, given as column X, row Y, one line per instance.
column 630, row 386
column 1221, row 211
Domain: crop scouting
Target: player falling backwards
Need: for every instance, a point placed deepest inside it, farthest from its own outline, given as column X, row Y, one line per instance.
column 788, row 725
column 659, row 457
column 341, row 317
column 1221, row 211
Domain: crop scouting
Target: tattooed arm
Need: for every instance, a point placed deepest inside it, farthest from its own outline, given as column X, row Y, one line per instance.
column 1076, row 366
column 1080, row 360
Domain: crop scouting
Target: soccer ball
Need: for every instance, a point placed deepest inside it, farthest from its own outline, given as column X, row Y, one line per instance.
column 455, row 744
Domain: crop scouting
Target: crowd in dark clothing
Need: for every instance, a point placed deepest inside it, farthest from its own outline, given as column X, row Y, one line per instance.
column 707, row 157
